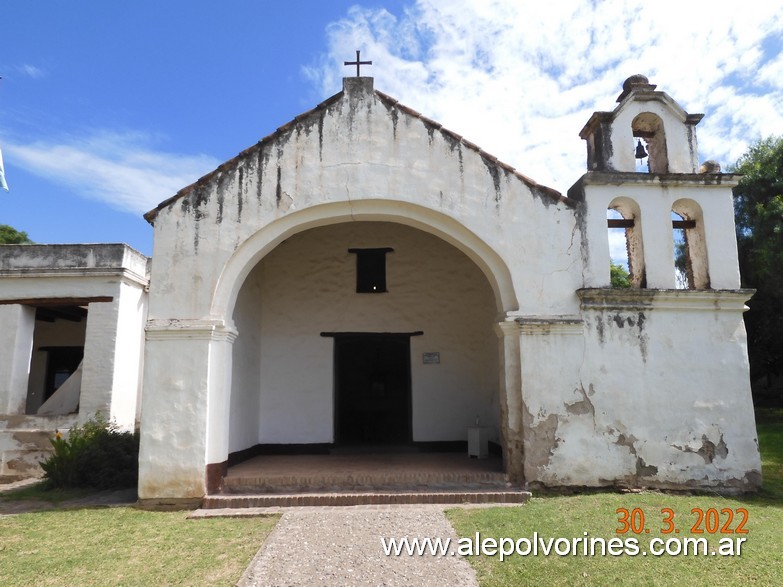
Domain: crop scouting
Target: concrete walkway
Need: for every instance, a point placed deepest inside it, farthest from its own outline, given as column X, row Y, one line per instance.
column 325, row 546
column 341, row 546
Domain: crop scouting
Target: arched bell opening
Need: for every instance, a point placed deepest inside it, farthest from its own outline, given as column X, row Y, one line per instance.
column 691, row 270
column 649, row 143
column 626, row 248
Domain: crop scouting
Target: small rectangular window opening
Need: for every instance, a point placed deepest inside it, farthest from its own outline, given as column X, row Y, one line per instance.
column 371, row 270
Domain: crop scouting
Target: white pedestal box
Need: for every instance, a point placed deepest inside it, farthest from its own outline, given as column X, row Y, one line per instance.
column 478, row 441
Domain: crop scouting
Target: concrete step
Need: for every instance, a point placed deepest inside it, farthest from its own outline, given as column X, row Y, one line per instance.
column 374, row 481
column 363, row 498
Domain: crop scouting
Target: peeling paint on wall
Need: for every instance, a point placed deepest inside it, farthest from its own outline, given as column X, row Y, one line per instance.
column 627, row 441
column 33, row 439
column 285, row 202
column 642, row 468
column 584, row 406
column 541, row 440
column 708, row 449
column 645, row 470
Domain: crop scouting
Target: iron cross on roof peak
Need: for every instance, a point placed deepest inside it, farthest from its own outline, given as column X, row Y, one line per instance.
column 358, row 63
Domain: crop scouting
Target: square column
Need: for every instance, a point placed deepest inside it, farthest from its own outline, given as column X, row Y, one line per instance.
column 99, row 360
column 17, row 324
column 187, row 385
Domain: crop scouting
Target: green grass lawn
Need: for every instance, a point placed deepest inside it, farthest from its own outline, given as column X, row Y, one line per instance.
column 126, row 546
column 760, row 563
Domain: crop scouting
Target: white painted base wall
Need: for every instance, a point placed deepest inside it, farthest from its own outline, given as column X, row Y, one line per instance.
column 650, row 396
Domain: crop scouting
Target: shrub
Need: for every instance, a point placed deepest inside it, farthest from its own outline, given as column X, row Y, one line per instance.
column 94, row 455
column 110, row 461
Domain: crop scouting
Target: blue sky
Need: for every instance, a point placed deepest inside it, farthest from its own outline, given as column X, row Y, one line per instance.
column 108, row 108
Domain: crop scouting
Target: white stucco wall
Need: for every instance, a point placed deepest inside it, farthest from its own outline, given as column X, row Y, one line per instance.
column 244, row 426
column 173, row 416
column 659, row 395
column 283, row 368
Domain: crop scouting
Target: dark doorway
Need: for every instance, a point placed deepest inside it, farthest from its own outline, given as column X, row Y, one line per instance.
column 372, row 389
column 62, row 362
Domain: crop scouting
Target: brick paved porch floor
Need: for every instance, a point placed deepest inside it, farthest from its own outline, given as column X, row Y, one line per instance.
column 275, row 473
column 351, row 479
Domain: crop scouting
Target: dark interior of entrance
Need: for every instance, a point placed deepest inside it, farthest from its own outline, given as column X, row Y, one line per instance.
column 372, row 389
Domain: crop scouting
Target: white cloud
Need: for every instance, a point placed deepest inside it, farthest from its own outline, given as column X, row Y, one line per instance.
column 521, row 78
column 120, row 169
column 31, row 71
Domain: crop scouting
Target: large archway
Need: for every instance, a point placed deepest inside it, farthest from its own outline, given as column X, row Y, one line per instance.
column 298, row 312
column 222, row 436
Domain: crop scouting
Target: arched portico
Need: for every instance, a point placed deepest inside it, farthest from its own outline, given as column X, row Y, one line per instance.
column 485, row 263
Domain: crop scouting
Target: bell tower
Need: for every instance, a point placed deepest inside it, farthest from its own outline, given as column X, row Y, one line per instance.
column 646, row 125
column 644, row 180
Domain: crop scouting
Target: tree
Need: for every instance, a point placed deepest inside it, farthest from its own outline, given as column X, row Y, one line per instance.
column 681, row 261
column 10, row 236
column 758, row 207
column 619, row 276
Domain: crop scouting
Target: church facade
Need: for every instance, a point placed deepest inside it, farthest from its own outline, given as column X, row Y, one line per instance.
column 364, row 276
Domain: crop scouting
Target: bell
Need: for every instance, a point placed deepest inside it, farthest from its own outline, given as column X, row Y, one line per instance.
column 640, row 152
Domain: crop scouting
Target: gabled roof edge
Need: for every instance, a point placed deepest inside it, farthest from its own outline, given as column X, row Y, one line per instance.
column 531, row 183
column 534, row 185
column 152, row 214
